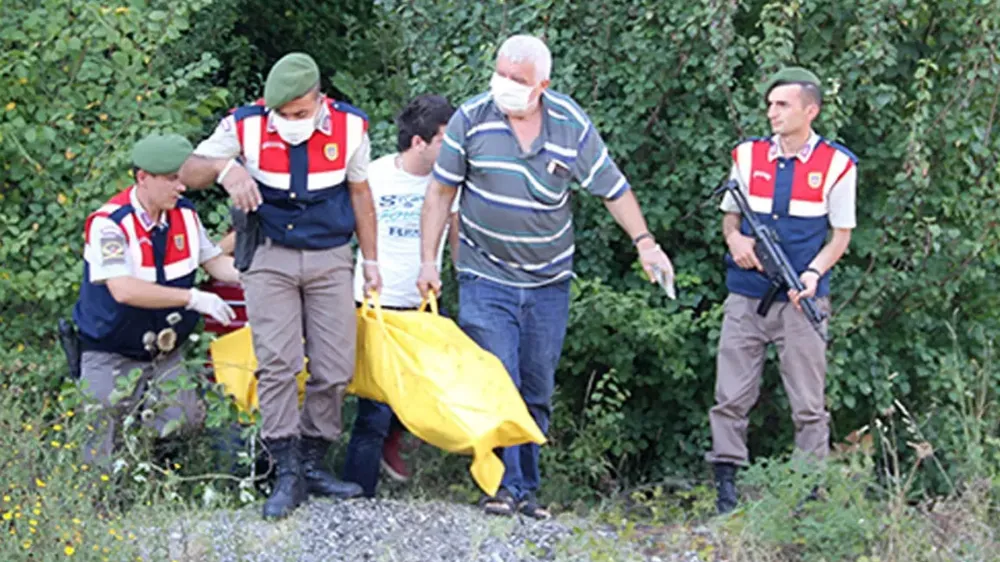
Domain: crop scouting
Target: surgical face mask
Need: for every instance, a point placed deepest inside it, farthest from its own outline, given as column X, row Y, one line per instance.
column 294, row 131
column 511, row 96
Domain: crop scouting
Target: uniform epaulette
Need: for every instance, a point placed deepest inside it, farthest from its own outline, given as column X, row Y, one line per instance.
column 842, row 148
column 348, row 108
column 245, row 111
column 749, row 139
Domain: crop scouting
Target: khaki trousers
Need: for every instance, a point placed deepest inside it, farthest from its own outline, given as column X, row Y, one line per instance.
column 293, row 294
column 740, row 365
column 100, row 369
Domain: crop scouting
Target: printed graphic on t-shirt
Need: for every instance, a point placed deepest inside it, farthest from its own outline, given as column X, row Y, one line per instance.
column 401, row 213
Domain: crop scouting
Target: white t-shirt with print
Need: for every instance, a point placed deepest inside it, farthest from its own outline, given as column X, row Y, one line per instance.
column 398, row 197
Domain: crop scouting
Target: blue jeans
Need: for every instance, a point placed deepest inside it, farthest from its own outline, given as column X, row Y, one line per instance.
column 525, row 329
column 364, row 451
column 372, row 425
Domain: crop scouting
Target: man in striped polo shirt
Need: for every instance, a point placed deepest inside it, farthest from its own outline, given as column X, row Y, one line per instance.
column 516, row 149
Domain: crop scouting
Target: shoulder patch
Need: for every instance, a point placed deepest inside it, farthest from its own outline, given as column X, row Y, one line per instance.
column 842, row 148
column 348, row 108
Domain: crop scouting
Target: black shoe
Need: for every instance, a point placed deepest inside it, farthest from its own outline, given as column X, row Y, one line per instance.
column 725, row 487
column 289, row 487
column 319, row 482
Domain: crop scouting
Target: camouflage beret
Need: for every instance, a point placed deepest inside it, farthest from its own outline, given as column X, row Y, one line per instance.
column 291, row 77
column 792, row 75
column 161, row 154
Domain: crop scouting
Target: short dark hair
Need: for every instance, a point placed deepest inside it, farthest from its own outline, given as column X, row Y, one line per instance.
column 808, row 92
column 422, row 117
column 811, row 94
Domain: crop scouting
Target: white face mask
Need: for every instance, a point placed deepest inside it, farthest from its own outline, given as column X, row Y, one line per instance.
column 294, row 131
column 511, row 96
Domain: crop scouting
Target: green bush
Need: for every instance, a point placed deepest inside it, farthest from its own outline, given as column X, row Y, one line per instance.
column 911, row 89
column 672, row 87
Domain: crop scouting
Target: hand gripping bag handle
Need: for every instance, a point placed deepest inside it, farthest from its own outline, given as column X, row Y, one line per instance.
column 430, row 299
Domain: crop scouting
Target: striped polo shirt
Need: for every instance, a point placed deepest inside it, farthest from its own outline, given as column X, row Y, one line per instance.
column 516, row 225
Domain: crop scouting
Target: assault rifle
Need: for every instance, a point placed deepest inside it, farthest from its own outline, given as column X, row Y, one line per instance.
column 777, row 267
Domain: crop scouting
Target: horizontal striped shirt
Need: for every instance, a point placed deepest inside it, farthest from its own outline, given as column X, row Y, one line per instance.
column 515, row 221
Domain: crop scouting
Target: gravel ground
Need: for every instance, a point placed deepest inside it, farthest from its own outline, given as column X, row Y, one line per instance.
column 395, row 531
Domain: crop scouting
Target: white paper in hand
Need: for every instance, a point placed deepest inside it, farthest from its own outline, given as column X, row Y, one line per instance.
column 664, row 281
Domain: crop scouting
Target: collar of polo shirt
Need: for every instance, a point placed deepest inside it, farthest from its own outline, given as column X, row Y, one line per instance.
column 322, row 118
column 145, row 220
column 803, row 154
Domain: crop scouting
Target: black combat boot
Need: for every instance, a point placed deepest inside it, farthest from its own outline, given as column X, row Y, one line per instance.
column 725, row 487
column 289, row 486
column 319, row 482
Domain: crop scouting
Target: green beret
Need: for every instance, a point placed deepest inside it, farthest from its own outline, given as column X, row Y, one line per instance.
column 291, row 77
column 791, row 75
column 161, row 154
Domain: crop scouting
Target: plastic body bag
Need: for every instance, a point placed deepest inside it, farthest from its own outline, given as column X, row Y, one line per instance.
column 446, row 390
column 234, row 364
column 443, row 387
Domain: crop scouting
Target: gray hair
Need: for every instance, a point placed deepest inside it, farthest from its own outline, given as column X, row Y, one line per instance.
column 531, row 49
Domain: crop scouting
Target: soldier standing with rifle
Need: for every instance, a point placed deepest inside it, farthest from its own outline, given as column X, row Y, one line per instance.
column 799, row 186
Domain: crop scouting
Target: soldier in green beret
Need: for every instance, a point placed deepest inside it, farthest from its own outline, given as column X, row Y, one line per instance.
column 137, row 302
column 295, row 164
column 802, row 186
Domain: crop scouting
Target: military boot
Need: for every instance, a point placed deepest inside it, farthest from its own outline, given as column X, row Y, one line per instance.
column 289, row 487
column 318, row 481
column 725, row 487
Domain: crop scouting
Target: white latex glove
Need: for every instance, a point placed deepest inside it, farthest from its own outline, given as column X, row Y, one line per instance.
column 212, row 305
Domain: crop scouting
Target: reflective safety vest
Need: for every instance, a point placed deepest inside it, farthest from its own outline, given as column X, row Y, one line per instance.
column 306, row 200
column 164, row 255
column 791, row 196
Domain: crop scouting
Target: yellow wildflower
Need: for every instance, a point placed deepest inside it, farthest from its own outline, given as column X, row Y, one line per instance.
column 11, row 106
column 32, row 522
column 39, row 483
column 56, row 444
column 7, row 516
column 27, row 543
column 58, row 427
column 6, row 498
column 104, row 478
column 69, row 550
column 69, row 413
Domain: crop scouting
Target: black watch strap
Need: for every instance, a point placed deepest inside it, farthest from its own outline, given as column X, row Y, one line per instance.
column 641, row 237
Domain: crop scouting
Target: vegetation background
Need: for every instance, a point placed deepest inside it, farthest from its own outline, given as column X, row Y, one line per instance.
column 912, row 88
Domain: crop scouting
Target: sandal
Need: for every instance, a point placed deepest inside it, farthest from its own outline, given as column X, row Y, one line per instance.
column 501, row 504
column 529, row 506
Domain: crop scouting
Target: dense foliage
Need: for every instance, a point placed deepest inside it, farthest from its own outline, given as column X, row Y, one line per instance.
column 912, row 88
